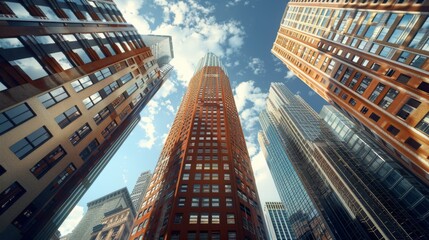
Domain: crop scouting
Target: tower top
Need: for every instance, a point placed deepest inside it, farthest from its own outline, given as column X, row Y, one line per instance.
column 210, row 60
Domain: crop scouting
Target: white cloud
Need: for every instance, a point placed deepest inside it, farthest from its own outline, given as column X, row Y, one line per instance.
column 247, row 92
column 146, row 123
column 278, row 69
column 311, row 93
column 72, row 220
column 257, row 66
column 125, row 175
column 167, row 88
column 130, row 11
column 233, row 3
column 289, row 74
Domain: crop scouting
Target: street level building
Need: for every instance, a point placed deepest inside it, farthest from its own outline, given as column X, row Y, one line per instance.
column 370, row 60
column 358, row 191
column 140, row 188
column 74, row 77
column 101, row 215
column 276, row 219
column 116, row 224
column 203, row 185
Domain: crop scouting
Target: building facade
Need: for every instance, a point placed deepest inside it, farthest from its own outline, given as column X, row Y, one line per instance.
column 369, row 59
column 101, row 209
column 276, row 219
column 355, row 198
column 115, row 225
column 74, row 77
column 203, row 185
column 140, row 188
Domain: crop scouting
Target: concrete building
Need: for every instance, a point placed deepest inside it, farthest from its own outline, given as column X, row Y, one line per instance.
column 368, row 59
column 203, row 185
column 358, row 192
column 116, row 224
column 276, row 219
column 74, row 77
column 140, row 188
column 102, row 213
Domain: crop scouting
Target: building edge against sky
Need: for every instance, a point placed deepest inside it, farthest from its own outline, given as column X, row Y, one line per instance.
column 337, row 160
column 370, row 61
column 203, row 185
column 70, row 97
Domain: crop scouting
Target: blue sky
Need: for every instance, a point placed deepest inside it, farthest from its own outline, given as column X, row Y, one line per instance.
column 242, row 33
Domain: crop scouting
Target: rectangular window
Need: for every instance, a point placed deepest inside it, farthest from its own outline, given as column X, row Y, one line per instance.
column 230, row 218
column 62, row 177
column 388, row 98
column 80, row 134
column 10, row 195
column 126, row 78
column 402, row 78
column 50, row 160
column 423, row 125
column 53, row 97
column 102, row 74
column 14, row 117
column 81, row 84
column 376, row 92
column 193, row 218
column 184, row 188
column 117, row 102
column 364, row 85
column 109, row 129
column 90, row 101
column 196, row 188
column 111, row 88
column 355, row 79
column 100, row 116
column 412, row 143
column 204, row 218
column 132, row 89
column 92, row 146
column 215, row 218
column 393, row 130
column 228, row 202
column 407, row 108
column 346, row 76
column 28, row 144
column 68, row 116
column 374, row 117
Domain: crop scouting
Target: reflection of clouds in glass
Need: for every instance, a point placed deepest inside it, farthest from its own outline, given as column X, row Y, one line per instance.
column 120, row 47
column 70, row 14
column 99, row 52
column 44, row 39
column 31, row 67
column 19, row 10
column 62, row 60
column 87, row 16
column 10, row 43
column 69, row 37
column 82, row 54
column 110, row 49
column 49, row 13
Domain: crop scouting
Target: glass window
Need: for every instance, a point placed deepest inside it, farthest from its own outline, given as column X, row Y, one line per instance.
column 68, row 116
column 376, row 92
column 230, row 218
column 82, row 54
column 110, row 49
column 50, row 160
column 364, row 85
column 19, row 10
column 81, row 84
column 31, row 142
column 70, row 13
column 44, row 39
column 102, row 74
column 193, row 218
column 7, row 43
column 31, row 67
column 14, row 117
column 395, row 38
column 92, row 146
column 80, row 134
column 49, row 13
column 99, row 52
column 423, row 125
column 61, row 178
column 69, row 37
column 90, row 101
column 388, row 98
column 407, row 108
column 10, row 195
column 62, row 60
column 215, row 218
column 126, row 78
column 53, row 97
column 418, row 61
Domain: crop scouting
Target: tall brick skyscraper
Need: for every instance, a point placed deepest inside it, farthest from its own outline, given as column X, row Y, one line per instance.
column 203, row 185
column 368, row 59
column 74, row 77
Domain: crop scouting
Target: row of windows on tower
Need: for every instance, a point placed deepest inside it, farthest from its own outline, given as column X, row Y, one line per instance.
column 72, row 11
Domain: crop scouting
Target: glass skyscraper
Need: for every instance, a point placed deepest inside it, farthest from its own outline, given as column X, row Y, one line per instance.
column 276, row 216
column 349, row 196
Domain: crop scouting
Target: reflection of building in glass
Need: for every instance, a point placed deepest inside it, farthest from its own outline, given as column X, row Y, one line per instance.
column 203, row 185
column 357, row 191
column 116, row 224
column 74, row 77
column 368, row 59
column 276, row 219
column 140, row 188
column 161, row 47
column 117, row 203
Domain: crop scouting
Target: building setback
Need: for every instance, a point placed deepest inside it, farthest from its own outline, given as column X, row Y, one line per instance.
column 368, row 59
column 276, row 218
column 140, row 188
column 74, row 77
column 358, row 192
column 203, row 185
column 100, row 208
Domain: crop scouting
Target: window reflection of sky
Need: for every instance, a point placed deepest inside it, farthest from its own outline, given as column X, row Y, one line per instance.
column 10, row 43
column 19, row 10
column 62, row 60
column 31, row 67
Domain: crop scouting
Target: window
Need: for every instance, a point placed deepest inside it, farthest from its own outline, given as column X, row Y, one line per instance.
column 81, row 84
column 80, row 134
column 215, row 188
column 53, row 97
column 230, row 218
column 92, row 146
column 99, row 52
column 204, row 218
column 132, row 89
column 185, row 176
column 407, row 108
column 111, row 88
column 374, row 117
column 178, row 218
column 30, row 66
column 376, row 92
column 10, row 195
column 83, row 55
column 68, row 116
column 355, row 79
column 206, row 188
column 50, row 160
column 412, row 143
column 215, row 218
column 15, row 117
column 393, row 130
column 8, row 43
column 102, row 74
column 197, row 176
column 215, row 202
column 364, row 110
column 364, row 85
column 109, row 129
column 61, row 178
column 100, row 116
column 90, row 101
column 227, row 188
column 126, row 78
column 61, row 60
column 418, row 61
column 193, row 218
column 402, row 78
column 228, row 202
column 184, row 188
column 18, row 10
column 388, row 98
column 28, row 144
column 423, row 125
column 196, row 188
column 181, row 202
column 424, row 86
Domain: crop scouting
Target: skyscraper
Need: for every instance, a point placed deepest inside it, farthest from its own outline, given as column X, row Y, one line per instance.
column 276, row 217
column 355, row 197
column 368, row 59
column 116, row 224
column 203, row 185
column 74, row 77
column 140, row 188
column 110, row 204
